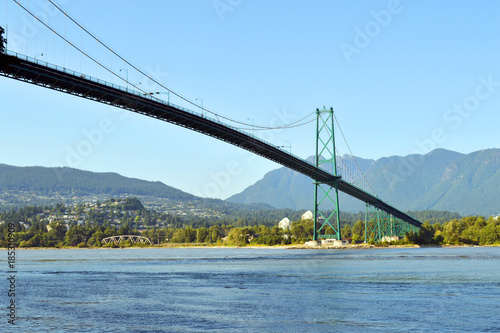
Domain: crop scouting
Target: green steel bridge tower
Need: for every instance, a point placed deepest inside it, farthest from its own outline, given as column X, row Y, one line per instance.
column 325, row 195
column 380, row 224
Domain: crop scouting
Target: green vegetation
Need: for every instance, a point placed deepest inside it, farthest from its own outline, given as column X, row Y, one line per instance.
column 471, row 230
column 85, row 225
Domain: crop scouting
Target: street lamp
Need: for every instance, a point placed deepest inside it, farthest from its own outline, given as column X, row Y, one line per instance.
column 126, row 71
column 253, row 125
column 38, row 55
column 201, row 100
column 289, row 146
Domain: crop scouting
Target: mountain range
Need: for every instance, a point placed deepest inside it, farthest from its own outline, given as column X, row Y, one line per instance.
column 439, row 180
column 42, row 186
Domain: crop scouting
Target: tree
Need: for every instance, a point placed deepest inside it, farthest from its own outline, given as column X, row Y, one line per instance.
column 124, row 230
column 302, row 230
column 57, row 229
column 75, row 235
column 358, row 230
column 426, row 234
column 490, row 234
column 109, row 232
column 132, row 204
column 96, row 238
column 147, row 219
column 452, row 230
column 236, row 237
column 264, row 230
column 179, row 236
column 190, row 235
column 184, row 235
column 214, row 233
column 346, row 231
column 355, row 238
column 60, row 208
column 201, row 234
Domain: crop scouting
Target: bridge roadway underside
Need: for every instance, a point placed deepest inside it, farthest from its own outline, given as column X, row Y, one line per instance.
column 67, row 82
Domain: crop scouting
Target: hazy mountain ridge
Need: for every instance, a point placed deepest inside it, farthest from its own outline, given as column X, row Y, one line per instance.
column 440, row 180
column 42, row 186
column 76, row 182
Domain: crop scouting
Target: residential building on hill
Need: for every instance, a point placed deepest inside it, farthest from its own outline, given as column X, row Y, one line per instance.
column 308, row 215
column 285, row 224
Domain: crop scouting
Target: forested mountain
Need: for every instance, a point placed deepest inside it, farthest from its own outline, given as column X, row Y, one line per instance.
column 76, row 182
column 440, row 180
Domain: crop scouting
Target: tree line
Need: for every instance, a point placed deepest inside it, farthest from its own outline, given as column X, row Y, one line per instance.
column 473, row 230
column 88, row 224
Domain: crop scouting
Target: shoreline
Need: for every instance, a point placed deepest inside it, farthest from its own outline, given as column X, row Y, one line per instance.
column 290, row 247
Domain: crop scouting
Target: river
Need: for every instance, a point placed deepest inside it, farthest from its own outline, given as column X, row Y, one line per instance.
column 256, row 290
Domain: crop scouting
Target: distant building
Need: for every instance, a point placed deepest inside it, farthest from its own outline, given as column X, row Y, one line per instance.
column 333, row 242
column 285, row 224
column 311, row 243
column 390, row 239
column 308, row 215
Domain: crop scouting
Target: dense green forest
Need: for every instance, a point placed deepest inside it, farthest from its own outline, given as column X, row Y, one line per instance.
column 87, row 225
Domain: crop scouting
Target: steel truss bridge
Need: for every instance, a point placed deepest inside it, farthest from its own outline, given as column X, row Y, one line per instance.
column 34, row 71
column 123, row 238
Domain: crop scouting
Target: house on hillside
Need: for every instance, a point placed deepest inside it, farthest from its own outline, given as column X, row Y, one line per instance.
column 308, row 215
column 285, row 224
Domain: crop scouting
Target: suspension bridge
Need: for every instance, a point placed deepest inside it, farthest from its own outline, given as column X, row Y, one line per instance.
column 330, row 173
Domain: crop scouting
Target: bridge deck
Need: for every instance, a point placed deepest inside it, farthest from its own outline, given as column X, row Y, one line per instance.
column 43, row 74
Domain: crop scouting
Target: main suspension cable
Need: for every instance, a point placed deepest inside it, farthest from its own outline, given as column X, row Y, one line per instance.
column 251, row 126
column 74, row 46
column 287, row 126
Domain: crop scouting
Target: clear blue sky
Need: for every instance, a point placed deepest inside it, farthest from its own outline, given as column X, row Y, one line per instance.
column 402, row 76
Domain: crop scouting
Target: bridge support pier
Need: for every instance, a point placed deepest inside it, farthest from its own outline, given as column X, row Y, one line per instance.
column 380, row 224
column 326, row 198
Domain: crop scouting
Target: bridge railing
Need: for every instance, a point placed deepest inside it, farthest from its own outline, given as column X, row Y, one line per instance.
column 147, row 96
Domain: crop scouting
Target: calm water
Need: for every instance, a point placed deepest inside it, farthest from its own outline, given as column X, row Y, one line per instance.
column 257, row 290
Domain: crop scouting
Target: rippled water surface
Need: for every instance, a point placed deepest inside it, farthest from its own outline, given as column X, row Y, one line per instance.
column 256, row 290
